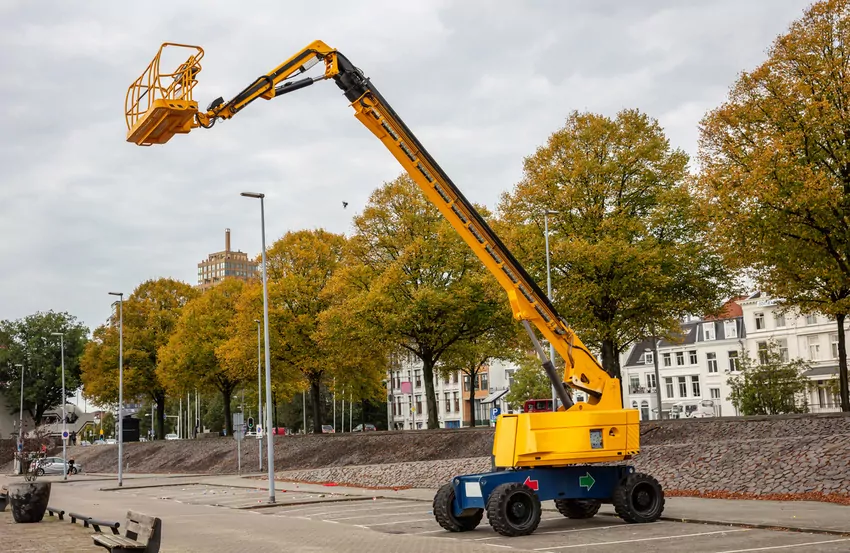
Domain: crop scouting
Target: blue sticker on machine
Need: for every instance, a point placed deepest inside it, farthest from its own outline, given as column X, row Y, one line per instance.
column 596, row 439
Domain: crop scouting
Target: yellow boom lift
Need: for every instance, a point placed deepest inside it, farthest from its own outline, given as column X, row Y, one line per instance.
column 536, row 456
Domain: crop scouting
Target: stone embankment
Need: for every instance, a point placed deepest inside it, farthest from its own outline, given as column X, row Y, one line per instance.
column 796, row 456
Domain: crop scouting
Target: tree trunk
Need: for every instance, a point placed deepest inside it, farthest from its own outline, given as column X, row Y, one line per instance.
column 842, row 364
column 160, row 415
column 472, row 383
column 430, row 397
column 609, row 359
column 315, row 399
column 228, row 418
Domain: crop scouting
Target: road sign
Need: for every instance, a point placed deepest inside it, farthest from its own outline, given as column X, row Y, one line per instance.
column 533, row 484
column 495, row 412
column 65, row 434
column 586, row 481
column 259, row 429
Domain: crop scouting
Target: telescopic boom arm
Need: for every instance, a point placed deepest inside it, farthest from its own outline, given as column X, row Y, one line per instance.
column 171, row 110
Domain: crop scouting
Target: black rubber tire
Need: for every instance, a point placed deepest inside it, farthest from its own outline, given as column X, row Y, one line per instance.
column 442, row 507
column 513, row 510
column 638, row 498
column 578, row 508
column 72, row 470
column 39, row 472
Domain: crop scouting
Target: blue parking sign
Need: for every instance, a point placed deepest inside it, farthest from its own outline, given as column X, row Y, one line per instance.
column 494, row 413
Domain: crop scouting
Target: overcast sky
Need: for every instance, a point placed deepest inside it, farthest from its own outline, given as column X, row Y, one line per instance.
column 482, row 83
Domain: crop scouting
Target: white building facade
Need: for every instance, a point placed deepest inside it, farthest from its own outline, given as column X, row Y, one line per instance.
column 696, row 366
column 407, row 407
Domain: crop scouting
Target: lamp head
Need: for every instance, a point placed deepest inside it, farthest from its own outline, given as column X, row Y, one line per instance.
column 253, row 195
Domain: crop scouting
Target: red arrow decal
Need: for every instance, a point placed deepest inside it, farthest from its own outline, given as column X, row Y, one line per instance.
column 531, row 483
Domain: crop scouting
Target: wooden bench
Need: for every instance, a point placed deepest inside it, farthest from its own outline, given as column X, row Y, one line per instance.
column 142, row 533
column 54, row 511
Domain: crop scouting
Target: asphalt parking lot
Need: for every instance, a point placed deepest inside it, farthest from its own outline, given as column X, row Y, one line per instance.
column 556, row 533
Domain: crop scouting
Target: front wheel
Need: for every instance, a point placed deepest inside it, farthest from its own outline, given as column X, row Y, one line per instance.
column 39, row 472
column 443, row 508
column 513, row 509
column 638, row 498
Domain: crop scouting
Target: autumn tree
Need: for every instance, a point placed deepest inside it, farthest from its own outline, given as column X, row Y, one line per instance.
column 413, row 283
column 500, row 342
column 627, row 250
column 30, row 342
column 192, row 358
column 530, row 382
column 776, row 176
column 150, row 314
column 769, row 385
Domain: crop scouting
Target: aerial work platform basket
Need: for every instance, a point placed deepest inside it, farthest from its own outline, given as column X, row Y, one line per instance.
column 160, row 105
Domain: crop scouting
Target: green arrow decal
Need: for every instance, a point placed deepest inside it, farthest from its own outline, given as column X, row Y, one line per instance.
column 586, row 481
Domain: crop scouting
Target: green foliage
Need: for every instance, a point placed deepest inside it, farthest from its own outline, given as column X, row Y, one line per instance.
column 776, row 179
column 150, row 315
column 627, row 249
column 769, row 385
column 530, row 382
column 412, row 283
column 29, row 342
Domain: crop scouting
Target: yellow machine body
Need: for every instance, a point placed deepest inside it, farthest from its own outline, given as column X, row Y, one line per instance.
column 566, row 437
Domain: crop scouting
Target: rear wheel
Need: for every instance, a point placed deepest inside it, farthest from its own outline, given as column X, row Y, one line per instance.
column 578, row 508
column 513, row 509
column 638, row 498
column 39, row 472
column 443, row 508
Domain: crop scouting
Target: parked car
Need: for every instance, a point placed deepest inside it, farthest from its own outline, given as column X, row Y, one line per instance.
column 171, row 437
column 365, row 428
column 328, row 429
column 111, row 441
column 52, row 465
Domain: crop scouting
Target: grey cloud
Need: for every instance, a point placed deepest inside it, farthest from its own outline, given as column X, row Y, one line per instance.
column 482, row 83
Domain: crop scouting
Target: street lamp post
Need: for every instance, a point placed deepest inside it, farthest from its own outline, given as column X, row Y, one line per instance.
column 270, row 439
column 120, row 386
column 21, row 423
column 549, row 293
column 64, row 401
column 259, row 395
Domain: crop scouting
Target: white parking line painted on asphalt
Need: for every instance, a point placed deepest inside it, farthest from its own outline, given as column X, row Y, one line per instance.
column 396, row 522
column 361, row 508
column 430, row 532
column 564, row 531
column 768, row 548
column 641, row 539
column 408, row 512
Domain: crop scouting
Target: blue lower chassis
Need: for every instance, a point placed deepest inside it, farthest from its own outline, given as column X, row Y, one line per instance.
column 570, row 482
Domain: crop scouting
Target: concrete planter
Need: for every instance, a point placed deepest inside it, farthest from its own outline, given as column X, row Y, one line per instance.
column 28, row 500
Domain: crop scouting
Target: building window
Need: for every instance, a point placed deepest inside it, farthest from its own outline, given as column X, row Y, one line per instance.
column 448, row 403
column 648, row 358
column 668, row 383
column 399, row 406
column 782, row 345
column 695, row 386
column 762, row 351
column 644, row 410
column 680, row 358
column 454, row 377
column 650, row 381
column 814, row 347
column 711, row 358
column 811, row 319
column 394, row 410
column 667, row 361
column 485, row 382
column 466, row 382
column 708, row 331
column 759, row 321
column 457, row 402
column 714, row 392
column 733, row 361
column 692, row 357
column 446, row 379
column 730, row 329
column 833, row 345
column 683, row 386
column 418, row 404
column 779, row 319
column 418, row 379
column 634, row 384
